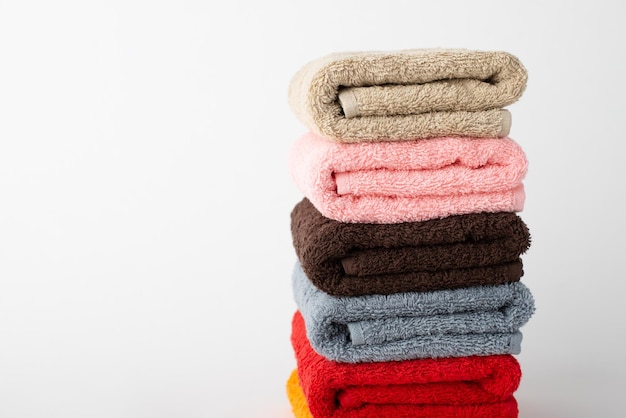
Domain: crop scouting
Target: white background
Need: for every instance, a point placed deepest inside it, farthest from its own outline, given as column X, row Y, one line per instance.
column 145, row 252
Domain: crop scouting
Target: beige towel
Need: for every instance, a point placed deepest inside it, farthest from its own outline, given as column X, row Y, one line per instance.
column 410, row 94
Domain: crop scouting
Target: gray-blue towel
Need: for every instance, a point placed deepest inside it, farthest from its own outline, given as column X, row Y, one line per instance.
column 482, row 320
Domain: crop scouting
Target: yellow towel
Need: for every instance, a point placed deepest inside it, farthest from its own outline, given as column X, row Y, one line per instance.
column 296, row 397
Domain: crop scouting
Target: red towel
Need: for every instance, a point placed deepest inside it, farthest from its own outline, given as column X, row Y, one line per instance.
column 459, row 387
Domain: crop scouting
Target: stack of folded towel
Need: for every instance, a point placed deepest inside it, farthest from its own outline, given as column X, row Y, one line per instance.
column 407, row 283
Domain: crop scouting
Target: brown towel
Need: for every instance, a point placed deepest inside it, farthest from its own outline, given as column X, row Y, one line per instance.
column 411, row 94
column 353, row 259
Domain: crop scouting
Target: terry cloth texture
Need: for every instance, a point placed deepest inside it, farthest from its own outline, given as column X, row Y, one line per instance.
column 481, row 320
column 410, row 94
column 353, row 259
column 389, row 182
column 475, row 386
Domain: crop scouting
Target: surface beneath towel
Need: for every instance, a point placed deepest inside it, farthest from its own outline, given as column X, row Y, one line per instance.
column 475, row 386
column 481, row 320
column 353, row 259
column 410, row 94
column 389, row 182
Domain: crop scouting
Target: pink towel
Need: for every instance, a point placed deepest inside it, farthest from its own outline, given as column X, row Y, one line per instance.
column 409, row 181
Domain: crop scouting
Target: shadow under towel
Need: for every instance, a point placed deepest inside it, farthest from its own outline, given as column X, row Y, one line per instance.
column 409, row 181
column 481, row 320
column 353, row 259
column 460, row 387
column 410, row 94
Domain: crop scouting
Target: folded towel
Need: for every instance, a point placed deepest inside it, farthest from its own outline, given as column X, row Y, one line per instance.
column 389, row 182
column 411, row 94
column 461, row 387
column 296, row 397
column 481, row 320
column 353, row 259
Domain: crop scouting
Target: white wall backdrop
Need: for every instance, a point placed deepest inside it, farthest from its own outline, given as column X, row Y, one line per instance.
column 145, row 252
